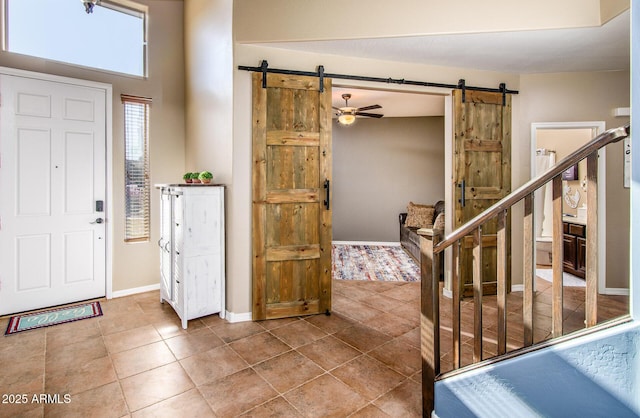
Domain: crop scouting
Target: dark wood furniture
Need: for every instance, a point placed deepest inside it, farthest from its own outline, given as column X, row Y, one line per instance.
column 575, row 248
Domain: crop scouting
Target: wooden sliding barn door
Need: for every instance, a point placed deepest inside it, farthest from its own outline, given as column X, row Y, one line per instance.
column 481, row 176
column 291, row 196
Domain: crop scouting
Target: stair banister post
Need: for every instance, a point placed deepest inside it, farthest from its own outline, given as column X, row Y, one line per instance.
column 429, row 317
column 591, row 256
column 557, row 255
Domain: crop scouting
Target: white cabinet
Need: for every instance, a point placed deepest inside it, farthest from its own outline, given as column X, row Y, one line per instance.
column 192, row 270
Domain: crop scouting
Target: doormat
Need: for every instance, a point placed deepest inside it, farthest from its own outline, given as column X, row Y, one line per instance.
column 51, row 317
column 389, row 263
column 568, row 279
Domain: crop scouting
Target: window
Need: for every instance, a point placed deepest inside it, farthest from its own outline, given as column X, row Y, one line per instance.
column 111, row 38
column 136, row 158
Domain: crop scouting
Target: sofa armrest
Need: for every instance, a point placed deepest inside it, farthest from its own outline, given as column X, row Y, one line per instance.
column 402, row 218
column 439, row 208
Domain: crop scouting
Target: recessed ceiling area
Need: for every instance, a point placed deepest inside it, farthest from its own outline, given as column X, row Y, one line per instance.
column 602, row 48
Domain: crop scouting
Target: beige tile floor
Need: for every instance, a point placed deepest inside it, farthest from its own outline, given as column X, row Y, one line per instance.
column 136, row 360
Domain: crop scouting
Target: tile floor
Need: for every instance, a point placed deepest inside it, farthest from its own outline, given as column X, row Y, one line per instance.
column 362, row 361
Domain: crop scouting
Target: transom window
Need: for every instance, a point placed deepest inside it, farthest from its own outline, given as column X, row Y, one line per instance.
column 112, row 37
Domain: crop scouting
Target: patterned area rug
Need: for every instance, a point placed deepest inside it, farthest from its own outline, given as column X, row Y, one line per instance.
column 374, row 262
column 51, row 317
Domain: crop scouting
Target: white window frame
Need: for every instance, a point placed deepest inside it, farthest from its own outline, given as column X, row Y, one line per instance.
column 124, row 6
column 145, row 235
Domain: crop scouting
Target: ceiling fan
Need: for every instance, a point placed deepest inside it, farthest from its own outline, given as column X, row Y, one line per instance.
column 347, row 115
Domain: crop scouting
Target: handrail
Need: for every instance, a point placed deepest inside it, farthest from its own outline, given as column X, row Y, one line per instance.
column 607, row 137
column 430, row 246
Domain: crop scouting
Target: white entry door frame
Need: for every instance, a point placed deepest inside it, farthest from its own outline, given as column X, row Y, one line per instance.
column 75, row 140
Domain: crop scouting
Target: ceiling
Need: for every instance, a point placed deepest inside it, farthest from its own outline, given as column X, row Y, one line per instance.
column 604, row 48
column 394, row 104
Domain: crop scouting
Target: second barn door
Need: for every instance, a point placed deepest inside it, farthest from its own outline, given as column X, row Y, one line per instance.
column 291, row 196
column 481, row 176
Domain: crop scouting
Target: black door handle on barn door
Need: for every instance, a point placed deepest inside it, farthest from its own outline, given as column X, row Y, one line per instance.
column 462, row 193
column 327, row 187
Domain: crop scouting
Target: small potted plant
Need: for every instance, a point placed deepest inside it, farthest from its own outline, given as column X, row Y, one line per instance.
column 187, row 177
column 205, row 177
column 194, row 177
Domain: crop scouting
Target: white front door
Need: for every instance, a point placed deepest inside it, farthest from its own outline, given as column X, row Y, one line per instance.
column 52, row 180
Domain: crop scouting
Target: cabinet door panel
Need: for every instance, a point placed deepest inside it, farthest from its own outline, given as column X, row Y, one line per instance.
column 165, row 246
column 581, row 253
column 569, row 249
column 202, row 285
column 203, row 216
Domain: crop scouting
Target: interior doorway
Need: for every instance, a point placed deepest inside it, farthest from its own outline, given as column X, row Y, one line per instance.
column 381, row 164
column 550, row 143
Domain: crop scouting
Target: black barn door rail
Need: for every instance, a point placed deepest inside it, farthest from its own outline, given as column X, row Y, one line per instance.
column 264, row 69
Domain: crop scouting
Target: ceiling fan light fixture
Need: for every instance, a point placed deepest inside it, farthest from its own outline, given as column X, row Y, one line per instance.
column 346, row 118
column 347, row 114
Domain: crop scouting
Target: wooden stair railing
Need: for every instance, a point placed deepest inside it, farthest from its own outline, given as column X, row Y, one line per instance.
column 432, row 245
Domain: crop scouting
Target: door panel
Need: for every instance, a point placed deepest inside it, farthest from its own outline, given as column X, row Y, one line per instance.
column 482, row 167
column 78, row 253
column 32, row 276
column 53, row 147
column 78, row 172
column 33, row 104
column 33, row 172
column 291, row 223
column 78, row 109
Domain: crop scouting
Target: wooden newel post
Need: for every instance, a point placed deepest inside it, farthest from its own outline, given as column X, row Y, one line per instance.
column 429, row 318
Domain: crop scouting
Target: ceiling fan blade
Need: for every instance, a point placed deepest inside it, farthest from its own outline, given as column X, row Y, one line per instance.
column 371, row 115
column 335, row 108
column 369, row 107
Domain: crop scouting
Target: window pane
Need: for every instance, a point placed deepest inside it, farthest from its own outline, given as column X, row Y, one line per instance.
column 61, row 30
column 136, row 171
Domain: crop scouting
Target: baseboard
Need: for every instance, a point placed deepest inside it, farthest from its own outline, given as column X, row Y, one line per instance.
column 238, row 317
column 517, row 288
column 447, row 293
column 615, row 291
column 389, row 244
column 135, row 290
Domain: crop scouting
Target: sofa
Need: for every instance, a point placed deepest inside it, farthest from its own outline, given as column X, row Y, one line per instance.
column 409, row 238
